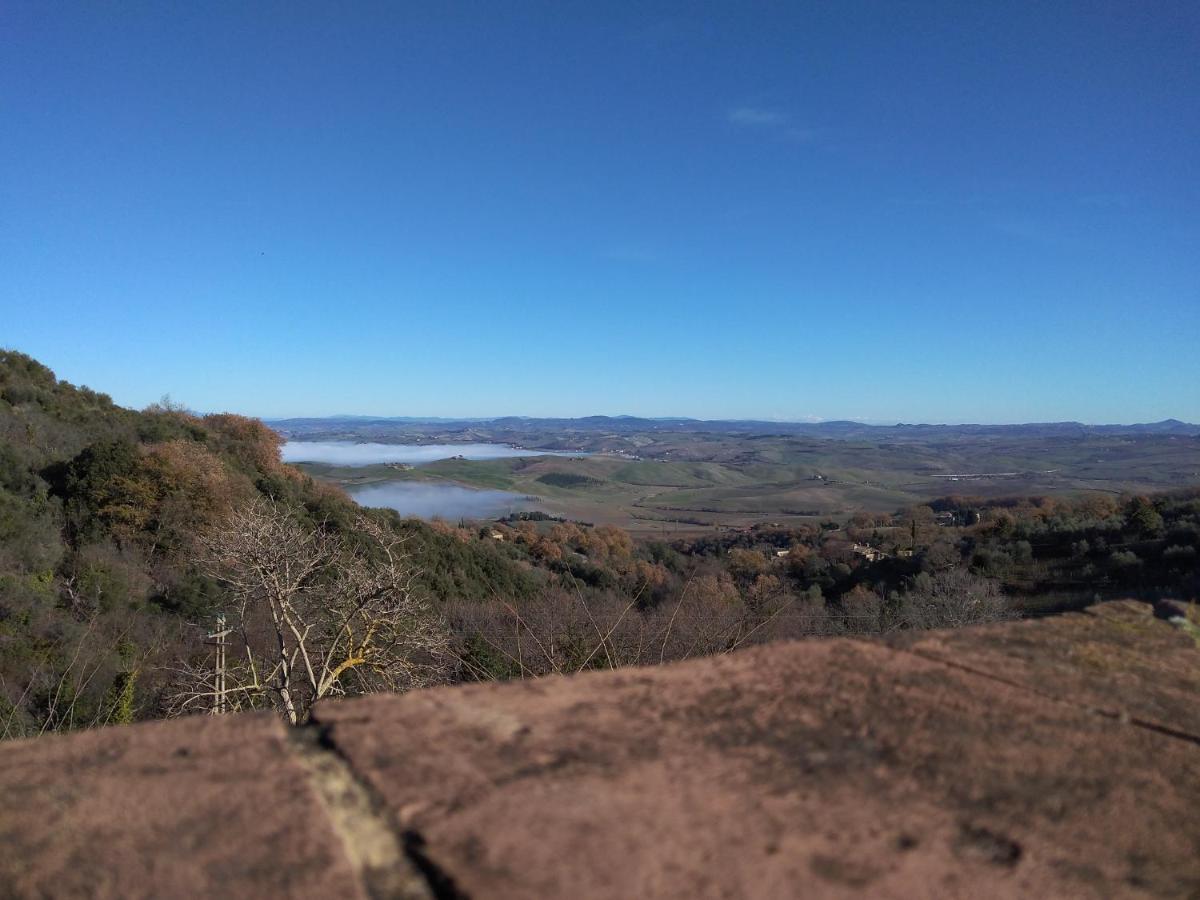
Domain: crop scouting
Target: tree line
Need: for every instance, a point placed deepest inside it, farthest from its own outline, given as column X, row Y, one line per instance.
column 157, row 563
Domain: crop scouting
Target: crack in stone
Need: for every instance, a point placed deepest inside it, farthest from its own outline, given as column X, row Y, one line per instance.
column 438, row 880
column 394, row 862
column 1114, row 715
column 389, row 866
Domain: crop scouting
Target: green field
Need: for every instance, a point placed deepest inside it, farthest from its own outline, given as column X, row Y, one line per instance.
column 682, row 481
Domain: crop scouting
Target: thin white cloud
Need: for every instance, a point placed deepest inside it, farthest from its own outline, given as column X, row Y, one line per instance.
column 756, row 117
column 805, row 135
column 775, row 122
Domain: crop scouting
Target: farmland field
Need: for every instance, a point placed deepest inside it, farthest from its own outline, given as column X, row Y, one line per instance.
column 702, row 476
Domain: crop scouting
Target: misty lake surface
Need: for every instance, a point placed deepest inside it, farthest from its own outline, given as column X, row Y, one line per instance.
column 440, row 501
column 349, row 453
column 426, row 500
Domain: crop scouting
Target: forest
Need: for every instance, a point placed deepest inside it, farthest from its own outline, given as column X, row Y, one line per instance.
column 129, row 539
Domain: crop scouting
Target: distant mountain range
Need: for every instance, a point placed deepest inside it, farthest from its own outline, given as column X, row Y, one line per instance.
column 363, row 425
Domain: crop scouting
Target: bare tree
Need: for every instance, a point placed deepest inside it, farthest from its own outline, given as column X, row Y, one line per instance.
column 953, row 598
column 314, row 614
column 564, row 632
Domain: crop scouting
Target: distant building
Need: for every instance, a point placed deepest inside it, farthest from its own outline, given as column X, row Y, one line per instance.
column 869, row 553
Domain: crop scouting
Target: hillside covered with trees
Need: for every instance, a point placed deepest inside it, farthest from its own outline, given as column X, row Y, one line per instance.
column 128, row 538
column 101, row 508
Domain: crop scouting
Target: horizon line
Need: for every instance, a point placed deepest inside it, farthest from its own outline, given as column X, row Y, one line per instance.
column 873, row 423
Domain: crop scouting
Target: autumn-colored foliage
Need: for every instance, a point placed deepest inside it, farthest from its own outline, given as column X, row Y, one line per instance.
column 99, row 589
column 249, row 442
column 191, row 489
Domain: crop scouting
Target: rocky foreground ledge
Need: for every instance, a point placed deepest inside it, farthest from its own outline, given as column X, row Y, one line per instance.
column 1048, row 758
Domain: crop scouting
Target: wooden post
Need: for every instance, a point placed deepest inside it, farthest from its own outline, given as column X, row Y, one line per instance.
column 219, row 706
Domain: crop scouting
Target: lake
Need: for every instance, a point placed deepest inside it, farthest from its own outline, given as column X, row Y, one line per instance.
column 426, row 500
column 440, row 501
column 349, row 453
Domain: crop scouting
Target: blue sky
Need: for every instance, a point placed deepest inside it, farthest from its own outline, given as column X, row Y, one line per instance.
column 889, row 211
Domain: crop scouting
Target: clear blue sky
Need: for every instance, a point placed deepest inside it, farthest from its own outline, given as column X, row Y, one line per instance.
column 890, row 211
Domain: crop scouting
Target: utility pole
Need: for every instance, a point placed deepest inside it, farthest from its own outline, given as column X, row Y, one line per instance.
column 219, row 636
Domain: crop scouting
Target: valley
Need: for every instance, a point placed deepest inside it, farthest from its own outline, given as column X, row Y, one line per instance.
column 679, row 477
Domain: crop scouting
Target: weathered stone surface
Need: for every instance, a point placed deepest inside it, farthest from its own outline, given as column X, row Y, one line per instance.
column 814, row 769
column 1050, row 758
column 197, row 807
column 1116, row 658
